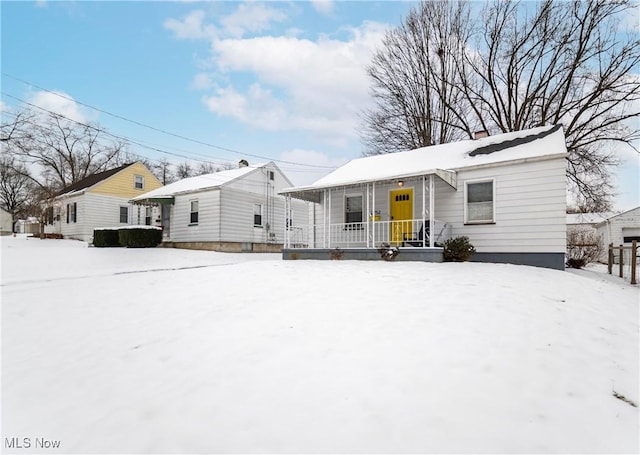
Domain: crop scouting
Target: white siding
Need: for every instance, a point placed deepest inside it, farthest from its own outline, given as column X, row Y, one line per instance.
column 611, row 230
column 237, row 210
column 6, row 221
column 530, row 209
column 208, row 227
column 92, row 211
column 225, row 214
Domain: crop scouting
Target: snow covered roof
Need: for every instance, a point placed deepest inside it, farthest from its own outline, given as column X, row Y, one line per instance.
column 537, row 143
column 200, row 182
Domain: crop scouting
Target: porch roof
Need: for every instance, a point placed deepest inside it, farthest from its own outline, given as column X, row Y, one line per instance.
column 441, row 160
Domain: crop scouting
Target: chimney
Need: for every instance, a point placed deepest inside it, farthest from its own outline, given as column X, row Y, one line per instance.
column 243, row 163
column 480, row 134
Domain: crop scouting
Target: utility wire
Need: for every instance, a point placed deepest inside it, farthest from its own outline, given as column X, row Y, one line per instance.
column 179, row 136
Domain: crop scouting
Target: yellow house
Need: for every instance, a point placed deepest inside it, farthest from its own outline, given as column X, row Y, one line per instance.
column 102, row 200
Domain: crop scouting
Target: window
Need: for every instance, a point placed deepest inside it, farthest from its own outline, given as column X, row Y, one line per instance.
column 479, row 202
column 138, row 182
column 193, row 219
column 353, row 208
column 257, row 214
column 271, row 175
column 71, row 212
column 124, row 214
column 147, row 216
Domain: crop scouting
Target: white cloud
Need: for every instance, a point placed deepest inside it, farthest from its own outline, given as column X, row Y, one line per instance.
column 321, row 85
column 284, row 82
column 191, row 27
column 202, row 81
column 60, row 103
column 251, row 17
column 323, row 6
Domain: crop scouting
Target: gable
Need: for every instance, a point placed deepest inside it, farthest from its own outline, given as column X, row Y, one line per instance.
column 123, row 183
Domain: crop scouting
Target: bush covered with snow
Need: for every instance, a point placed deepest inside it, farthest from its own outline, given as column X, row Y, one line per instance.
column 458, row 249
column 140, row 237
column 106, row 237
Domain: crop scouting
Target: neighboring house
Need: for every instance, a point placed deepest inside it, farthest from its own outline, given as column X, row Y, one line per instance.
column 506, row 193
column 29, row 226
column 101, row 200
column 620, row 229
column 234, row 210
column 6, row 222
column 586, row 221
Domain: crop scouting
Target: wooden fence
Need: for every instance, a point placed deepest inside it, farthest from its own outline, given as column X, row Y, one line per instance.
column 633, row 259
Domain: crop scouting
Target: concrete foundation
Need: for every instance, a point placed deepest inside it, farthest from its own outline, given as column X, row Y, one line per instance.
column 362, row 254
column 227, row 247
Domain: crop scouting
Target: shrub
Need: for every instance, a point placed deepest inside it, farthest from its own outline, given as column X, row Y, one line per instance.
column 388, row 252
column 336, row 254
column 458, row 249
column 583, row 247
column 139, row 237
column 105, row 237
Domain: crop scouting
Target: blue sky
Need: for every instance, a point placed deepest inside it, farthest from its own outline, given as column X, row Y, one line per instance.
column 282, row 80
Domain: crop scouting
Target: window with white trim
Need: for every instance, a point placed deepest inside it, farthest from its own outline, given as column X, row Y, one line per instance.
column 124, row 214
column 138, row 182
column 353, row 208
column 257, row 215
column 479, row 198
column 147, row 216
column 193, row 217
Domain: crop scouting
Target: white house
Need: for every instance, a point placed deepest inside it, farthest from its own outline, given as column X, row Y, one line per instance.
column 234, row 210
column 586, row 221
column 6, row 222
column 506, row 193
column 619, row 229
column 101, row 200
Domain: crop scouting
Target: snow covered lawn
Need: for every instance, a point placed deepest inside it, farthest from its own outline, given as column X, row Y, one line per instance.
column 161, row 350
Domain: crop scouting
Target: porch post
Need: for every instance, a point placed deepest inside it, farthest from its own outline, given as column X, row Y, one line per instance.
column 432, row 222
column 324, row 219
column 329, row 235
column 286, row 228
column 373, row 235
column 369, row 220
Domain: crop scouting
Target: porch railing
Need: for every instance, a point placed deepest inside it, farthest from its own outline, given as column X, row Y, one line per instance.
column 403, row 233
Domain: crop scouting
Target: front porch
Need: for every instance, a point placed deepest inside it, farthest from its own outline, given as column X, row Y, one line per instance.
column 372, row 215
column 370, row 234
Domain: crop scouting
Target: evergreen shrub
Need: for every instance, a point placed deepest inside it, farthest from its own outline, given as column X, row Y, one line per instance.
column 106, row 238
column 140, row 237
column 458, row 249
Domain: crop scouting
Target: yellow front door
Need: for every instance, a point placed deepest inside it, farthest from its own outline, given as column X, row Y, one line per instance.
column 401, row 211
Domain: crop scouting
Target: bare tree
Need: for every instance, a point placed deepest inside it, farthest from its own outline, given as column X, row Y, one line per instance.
column 561, row 63
column 414, row 76
column 16, row 188
column 516, row 66
column 63, row 151
column 184, row 170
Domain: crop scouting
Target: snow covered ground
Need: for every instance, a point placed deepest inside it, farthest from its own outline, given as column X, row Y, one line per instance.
column 176, row 351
